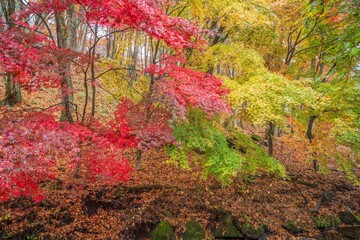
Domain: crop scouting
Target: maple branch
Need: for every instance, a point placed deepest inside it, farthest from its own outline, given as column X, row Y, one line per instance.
column 315, row 46
column 115, row 31
column 42, row 109
column 181, row 11
column 111, row 94
column 75, row 107
column 47, row 27
column 1, row 22
column 114, row 69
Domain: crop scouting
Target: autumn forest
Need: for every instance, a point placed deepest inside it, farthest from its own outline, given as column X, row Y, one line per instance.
column 180, row 119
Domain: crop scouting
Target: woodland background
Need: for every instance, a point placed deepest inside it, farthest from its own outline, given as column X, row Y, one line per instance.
column 119, row 114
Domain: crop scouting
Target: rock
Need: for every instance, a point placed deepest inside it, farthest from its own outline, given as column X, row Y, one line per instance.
column 256, row 138
column 347, row 217
column 350, row 232
column 291, row 227
column 194, row 231
column 253, row 232
column 227, row 229
column 263, row 237
column 357, row 219
column 343, row 233
column 163, row 231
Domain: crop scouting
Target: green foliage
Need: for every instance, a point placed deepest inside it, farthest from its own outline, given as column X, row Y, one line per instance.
column 244, row 61
column 322, row 222
column 256, row 157
column 232, row 14
column 292, row 227
column 200, row 135
column 349, row 166
column 5, row 217
column 221, row 156
column 270, row 97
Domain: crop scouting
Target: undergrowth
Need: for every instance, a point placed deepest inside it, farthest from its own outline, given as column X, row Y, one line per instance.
column 221, row 156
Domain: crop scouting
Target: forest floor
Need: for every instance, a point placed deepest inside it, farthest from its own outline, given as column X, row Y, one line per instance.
column 162, row 191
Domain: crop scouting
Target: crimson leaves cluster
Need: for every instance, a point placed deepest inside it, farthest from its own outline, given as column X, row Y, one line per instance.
column 180, row 87
column 34, row 146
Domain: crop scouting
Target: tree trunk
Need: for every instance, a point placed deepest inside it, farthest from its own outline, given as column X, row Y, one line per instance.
column 66, row 83
column 214, row 41
column 138, row 159
column 270, row 137
column 310, row 136
column 12, row 91
column 234, row 117
column 309, row 133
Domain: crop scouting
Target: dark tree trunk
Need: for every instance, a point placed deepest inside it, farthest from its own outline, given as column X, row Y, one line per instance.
column 214, row 41
column 270, row 137
column 12, row 89
column 12, row 92
column 66, row 83
column 310, row 136
column 310, row 127
column 138, row 159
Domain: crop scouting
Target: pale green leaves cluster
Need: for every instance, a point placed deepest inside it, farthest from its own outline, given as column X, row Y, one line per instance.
column 244, row 61
column 269, row 97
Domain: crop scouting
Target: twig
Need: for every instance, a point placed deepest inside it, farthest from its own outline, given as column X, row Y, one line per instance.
column 42, row 109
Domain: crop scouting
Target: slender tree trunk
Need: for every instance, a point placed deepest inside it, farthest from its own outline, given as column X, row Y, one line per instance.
column 12, row 91
column 83, row 37
column 310, row 127
column 92, row 72
column 138, row 159
column 234, row 117
column 310, row 136
column 66, row 83
column 12, row 88
column 214, row 41
column 114, row 49
column 270, row 137
column 108, row 43
column 133, row 60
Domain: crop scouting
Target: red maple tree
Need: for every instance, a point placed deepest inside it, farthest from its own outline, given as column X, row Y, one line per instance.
column 34, row 145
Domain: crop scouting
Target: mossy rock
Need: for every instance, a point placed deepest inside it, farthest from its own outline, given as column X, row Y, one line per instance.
column 163, row 231
column 326, row 222
column 256, row 138
column 292, row 227
column 357, row 217
column 347, row 217
column 227, row 229
column 253, row 232
column 194, row 231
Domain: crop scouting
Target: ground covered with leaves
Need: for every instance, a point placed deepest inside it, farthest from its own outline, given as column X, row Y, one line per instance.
column 161, row 191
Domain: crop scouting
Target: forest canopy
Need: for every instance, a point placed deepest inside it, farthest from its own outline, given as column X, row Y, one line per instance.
column 204, row 80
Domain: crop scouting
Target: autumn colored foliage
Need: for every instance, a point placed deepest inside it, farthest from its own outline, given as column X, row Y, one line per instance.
column 168, row 75
column 35, row 146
